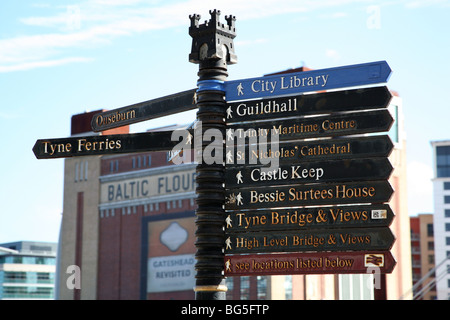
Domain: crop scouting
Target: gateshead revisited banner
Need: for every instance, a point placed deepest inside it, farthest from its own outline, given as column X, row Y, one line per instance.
column 168, row 255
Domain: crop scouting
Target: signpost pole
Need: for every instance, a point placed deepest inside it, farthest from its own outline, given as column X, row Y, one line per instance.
column 212, row 49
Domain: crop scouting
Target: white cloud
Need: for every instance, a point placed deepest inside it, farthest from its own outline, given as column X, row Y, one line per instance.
column 425, row 3
column 332, row 54
column 250, row 42
column 43, row 63
column 98, row 22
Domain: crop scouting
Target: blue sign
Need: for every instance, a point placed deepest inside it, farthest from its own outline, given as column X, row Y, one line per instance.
column 308, row 81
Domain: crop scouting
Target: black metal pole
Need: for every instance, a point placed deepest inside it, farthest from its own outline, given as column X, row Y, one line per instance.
column 212, row 49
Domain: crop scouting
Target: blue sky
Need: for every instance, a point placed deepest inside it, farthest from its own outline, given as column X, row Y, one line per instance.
column 59, row 58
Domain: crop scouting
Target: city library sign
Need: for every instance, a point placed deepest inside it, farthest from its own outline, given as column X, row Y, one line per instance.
column 155, row 182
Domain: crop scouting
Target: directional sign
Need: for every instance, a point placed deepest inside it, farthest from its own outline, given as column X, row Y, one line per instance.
column 355, row 239
column 108, row 144
column 308, row 104
column 311, row 127
column 300, row 151
column 309, row 172
column 147, row 110
column 309, row 263
column 308, row 195
column 349, row 216
column 316, row 80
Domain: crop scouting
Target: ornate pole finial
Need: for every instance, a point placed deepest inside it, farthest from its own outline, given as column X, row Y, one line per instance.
column 212, row 39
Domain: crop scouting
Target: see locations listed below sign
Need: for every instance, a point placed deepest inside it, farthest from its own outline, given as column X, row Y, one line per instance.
column 308, row 81
column 309, row 263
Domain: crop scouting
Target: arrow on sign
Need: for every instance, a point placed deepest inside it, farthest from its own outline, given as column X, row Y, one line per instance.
column 152, row 109
column 308, row 81
column 108, row 144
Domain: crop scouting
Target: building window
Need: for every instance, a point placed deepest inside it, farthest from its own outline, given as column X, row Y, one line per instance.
column 141, row 162
column 245, row 288
column 443, row 161
column 447, row 241
column 77, row 169
column 430, row 231
column 447, row 213
column 114, row 166
column 81, row 171
column 446, row 185
column 230, row 285
column 261, row 287
column 446, row 199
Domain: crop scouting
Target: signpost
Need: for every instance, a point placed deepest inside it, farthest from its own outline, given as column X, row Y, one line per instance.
column 309, row 104
column 108, row 144
column 324, row 198
column 321, row 209
column 316, row 127
column 308, row 195
column 308, row 172
column 321, row 217
column 355, row 239
column 293, row 152
column 152, row 109
column 308, row 81
column 309, row 263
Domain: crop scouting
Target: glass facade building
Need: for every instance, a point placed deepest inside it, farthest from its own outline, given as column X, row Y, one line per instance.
column 441, row 195
column 27, row 270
